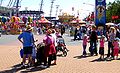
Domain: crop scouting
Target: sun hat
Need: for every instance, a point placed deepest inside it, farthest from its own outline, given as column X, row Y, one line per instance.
column 29, row 28
column 102, row 36
column 117, row 39
column 49, row 31
column 93, row 26
column 112, row 28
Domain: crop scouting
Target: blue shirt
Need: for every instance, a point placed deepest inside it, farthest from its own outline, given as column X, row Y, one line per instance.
column 27, row 38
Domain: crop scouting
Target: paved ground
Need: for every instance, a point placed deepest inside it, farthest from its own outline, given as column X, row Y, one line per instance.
column 73, row 63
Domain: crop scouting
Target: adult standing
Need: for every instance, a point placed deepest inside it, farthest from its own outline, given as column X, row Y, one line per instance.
column 76, row 33
column 49, row 47
column 62, row 30
column 93, row 41
column 53, row 34
column 111, row 37
column 118, row 32
column 27, row 39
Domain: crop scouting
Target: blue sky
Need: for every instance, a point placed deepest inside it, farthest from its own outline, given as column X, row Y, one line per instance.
column 65, row 5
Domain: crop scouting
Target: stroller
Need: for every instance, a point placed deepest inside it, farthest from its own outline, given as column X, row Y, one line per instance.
column 61, row 47
column 40, row 53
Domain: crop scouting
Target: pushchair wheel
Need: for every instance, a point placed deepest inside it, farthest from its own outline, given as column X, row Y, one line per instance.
column 64, row 53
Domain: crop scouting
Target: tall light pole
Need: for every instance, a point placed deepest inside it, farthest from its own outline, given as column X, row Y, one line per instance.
column 1, row 2
column 51, row 8
column 17, row 5
column 60, row 11
column 41, row 5
column 57, row 6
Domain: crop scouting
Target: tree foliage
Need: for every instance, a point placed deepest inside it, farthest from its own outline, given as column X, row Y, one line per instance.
column 113, row 9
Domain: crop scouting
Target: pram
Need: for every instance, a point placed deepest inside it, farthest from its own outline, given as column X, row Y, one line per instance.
column 40, row 53
column 61, row 47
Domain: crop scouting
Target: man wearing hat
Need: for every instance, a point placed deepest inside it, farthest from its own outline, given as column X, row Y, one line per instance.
column 27, row 39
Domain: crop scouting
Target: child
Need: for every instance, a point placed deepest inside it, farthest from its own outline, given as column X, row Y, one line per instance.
column 60, row 40
column 116, row 48
column 101, row 49
column 85, row 40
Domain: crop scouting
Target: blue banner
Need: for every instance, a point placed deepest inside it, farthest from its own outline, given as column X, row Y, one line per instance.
column 100, row 12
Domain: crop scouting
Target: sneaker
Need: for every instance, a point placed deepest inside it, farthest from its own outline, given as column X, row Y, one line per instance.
column 29, row 65
column 23, row 66
column 54, row 64
column 68, row 50
column 112, row 58
column 42, row 66
column 48, row 66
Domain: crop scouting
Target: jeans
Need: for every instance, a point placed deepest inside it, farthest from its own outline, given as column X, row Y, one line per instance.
column 110, row 47
column 93, row 47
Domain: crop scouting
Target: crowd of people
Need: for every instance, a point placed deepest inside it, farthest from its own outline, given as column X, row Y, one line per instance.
column 91, row 36
column 50, row 43
column 113, row 36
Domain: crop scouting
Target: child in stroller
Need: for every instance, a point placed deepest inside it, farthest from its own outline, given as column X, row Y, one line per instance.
column 61, row 46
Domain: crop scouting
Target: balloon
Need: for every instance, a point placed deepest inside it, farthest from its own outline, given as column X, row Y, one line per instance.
column 8, row 19
column 4, row 20
column 18, row 18
column 28, row 19
column 13, row 19
column 24, row 19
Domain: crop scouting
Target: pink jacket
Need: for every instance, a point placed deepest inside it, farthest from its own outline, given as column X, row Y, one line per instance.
column 49, row 48
column 85, row 40
column 102, row 41
column 116, row 45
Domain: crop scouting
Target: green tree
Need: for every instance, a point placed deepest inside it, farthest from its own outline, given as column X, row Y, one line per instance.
column 113, row 9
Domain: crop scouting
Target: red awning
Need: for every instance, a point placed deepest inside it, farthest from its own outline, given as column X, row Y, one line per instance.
column 43, row 20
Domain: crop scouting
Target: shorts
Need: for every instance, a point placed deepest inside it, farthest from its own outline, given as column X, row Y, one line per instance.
column 27, row 50
column 101, row 51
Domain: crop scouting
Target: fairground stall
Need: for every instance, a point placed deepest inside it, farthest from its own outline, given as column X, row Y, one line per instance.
column 44, row 24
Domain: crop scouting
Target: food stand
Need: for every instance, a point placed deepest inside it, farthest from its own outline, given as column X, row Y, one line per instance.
column 44, row 23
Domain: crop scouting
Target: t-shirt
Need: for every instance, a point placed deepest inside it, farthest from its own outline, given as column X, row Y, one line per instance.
column 112, row 37
column 93, row 36
column 48, row 40
column 102, row 42
column 55, row 38
column 116, row 45
column 27, row 38
column 85, row 41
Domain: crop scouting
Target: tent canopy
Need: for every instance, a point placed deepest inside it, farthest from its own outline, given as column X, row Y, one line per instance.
column 43, row 20
column 77, row 21
column 110, row 24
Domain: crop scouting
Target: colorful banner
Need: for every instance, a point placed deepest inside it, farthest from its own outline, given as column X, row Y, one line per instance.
column 100, row 12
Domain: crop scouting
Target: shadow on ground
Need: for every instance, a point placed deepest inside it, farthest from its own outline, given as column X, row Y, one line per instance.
column 104, row 60
column 81, row 56
column 17, row 68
